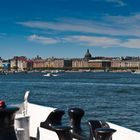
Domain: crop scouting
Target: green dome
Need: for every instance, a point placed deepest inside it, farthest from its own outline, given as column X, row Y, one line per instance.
column 88, row 55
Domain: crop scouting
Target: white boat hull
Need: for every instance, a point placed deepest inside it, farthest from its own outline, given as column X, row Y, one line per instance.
column 37, row 114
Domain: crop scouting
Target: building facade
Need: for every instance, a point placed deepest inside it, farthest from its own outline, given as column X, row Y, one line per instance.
column 0, row 64
column 125, row 64
column 21, row 63
column 105, row 64
column 5, row 65
column 39, row 64
column 18, row 63
column 80, row 63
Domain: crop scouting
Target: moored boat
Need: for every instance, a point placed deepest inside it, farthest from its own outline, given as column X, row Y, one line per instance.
column 50, row 75
column 136, row 72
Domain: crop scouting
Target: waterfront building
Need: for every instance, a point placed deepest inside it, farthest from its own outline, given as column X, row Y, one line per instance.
column 80, row 63
column 0, row 64
column 21, row 63
column 18, row 63
column 39, row 64
column 51, row 63
column 59, row 63
column 5, row 65
column 117, row 63
column 29, row 64
column 134, row 64
column 54, row 63
column 67, row 63
column 99, row 64
column 125, row 64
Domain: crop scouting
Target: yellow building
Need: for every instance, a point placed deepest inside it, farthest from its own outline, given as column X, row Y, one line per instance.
column 58, row 63
column 99, row 63
column 125, row 63
column 39, row 64
column 80, row 63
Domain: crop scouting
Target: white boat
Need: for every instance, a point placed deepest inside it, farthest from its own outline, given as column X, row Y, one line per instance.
column 36, row 122
column 50, row 75
column 136, row 72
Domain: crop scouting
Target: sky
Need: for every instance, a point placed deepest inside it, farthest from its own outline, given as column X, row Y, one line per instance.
column 67, row 28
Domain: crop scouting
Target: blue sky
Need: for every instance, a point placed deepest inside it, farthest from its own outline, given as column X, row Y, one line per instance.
column 67, row 28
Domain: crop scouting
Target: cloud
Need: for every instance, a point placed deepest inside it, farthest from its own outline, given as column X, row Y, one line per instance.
column 132, row 43
column 118, row 2
column 58, row 25
column 74, row 26
column 94, row 41
column 2, row 35
column 131, row 20
column 106, row 25
column 108, row 31
column 104, row 42
column 43, row 40
column 85, row 40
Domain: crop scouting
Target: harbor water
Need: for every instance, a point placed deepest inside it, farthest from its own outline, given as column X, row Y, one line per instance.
column 113, row 97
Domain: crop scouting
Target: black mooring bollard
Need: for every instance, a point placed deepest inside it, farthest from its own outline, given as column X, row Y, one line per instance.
column 7, row 115
column 63, row 132
column 75, row 115
column 54, row 119
column 95, row 124
column 104, row 133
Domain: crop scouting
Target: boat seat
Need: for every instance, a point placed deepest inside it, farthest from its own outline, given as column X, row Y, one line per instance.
column 95, row 124
column 54, row 119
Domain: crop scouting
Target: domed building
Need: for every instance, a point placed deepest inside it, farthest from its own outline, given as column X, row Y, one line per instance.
column 88, row 55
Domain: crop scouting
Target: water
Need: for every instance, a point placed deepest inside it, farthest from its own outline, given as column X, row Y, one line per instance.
column 114, row 97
